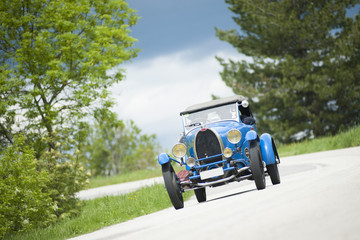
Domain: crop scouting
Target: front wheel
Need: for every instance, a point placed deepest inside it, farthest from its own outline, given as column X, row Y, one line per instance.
column 274, row 173
column 172, row 186
column 256, row 165
column 200, row 194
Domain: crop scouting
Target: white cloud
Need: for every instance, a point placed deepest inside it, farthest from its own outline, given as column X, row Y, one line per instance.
column 156, row 90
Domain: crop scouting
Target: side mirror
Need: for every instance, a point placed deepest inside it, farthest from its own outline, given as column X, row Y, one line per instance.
column 244, row 104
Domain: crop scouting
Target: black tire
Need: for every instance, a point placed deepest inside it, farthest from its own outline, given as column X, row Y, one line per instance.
column 200, row 194
column 274, row 173
column 256, row 165
column 172, row 186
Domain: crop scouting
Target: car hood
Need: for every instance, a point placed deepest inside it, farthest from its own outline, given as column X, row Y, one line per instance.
column 221, row 128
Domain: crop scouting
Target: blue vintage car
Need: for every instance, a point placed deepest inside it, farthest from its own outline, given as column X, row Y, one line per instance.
column 219, row 145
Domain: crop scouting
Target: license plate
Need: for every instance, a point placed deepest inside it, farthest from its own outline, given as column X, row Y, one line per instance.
column 211, row 173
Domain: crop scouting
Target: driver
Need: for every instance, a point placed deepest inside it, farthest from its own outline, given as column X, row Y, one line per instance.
column 246, row 116
column 247, row 120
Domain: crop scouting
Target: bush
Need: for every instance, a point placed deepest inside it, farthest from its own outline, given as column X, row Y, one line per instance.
column 67, row 178
column 35, row 193
column 25, row 200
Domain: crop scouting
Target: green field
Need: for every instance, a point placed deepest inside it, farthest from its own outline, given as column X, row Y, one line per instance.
column 126, row 177
column 346, row 139
column 106, row 211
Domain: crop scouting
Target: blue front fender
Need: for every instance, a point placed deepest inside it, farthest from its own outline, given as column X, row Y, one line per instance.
column 251, row 135
column 267, row 150
column 163, row 158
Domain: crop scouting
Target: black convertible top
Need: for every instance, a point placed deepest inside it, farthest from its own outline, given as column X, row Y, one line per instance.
column 213, row 103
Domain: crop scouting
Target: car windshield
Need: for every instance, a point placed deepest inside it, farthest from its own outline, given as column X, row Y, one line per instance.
column 216, row 114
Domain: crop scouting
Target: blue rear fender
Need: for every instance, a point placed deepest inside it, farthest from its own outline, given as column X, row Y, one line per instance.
column 267, row 149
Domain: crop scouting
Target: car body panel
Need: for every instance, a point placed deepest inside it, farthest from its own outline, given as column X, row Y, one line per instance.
column 251, row 135
column 164, row 158
column 267, row 151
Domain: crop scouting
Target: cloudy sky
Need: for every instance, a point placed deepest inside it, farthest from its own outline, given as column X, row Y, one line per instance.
column 176, row 67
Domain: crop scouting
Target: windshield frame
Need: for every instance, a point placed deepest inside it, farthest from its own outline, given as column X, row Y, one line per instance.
column 190, row 124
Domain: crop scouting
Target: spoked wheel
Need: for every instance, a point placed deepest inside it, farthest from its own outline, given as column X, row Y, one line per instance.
column 200, row 194
column 172, row 186
column 274, row 173
column 256, row 165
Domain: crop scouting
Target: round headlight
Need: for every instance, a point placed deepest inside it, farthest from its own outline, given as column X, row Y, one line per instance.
column 227, row 152
column 179, row 150
column 234, row 136
column 191, row 162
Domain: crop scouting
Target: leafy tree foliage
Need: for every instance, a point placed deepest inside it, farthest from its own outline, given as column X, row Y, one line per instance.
column 304, row 75
column 114, row 147
column 55, row 58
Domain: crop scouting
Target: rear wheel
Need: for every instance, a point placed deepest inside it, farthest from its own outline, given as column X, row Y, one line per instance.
column 256, row 165
column 200, row 194
column 172, row 186
column 274, row 173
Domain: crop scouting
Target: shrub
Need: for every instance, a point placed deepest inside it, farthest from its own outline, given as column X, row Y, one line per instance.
column 35, row 193
column 25, row 200
column 67, row 178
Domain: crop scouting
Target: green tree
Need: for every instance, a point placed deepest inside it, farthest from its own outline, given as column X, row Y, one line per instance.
column 55, row 59
column 304, row 75
column 115, row 147
column 55, row 62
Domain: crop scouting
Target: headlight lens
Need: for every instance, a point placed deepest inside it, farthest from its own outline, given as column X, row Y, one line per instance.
column 191, row 162
column 179, row 150
column 227, row 152
column 234, row 136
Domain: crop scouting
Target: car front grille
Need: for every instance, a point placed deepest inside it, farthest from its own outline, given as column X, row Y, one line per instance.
column 207, row 144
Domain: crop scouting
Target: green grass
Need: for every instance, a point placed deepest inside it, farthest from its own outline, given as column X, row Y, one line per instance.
column 346, row 139
column 126, row 177
column 129, row 177
column 105, row 211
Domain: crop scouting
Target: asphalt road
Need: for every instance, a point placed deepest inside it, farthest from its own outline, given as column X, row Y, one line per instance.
column 318, row 198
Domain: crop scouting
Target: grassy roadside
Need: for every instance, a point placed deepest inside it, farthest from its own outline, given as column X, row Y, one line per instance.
column 346, row 139
column 106, row 211
column 126, row 177
column 129, row 177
